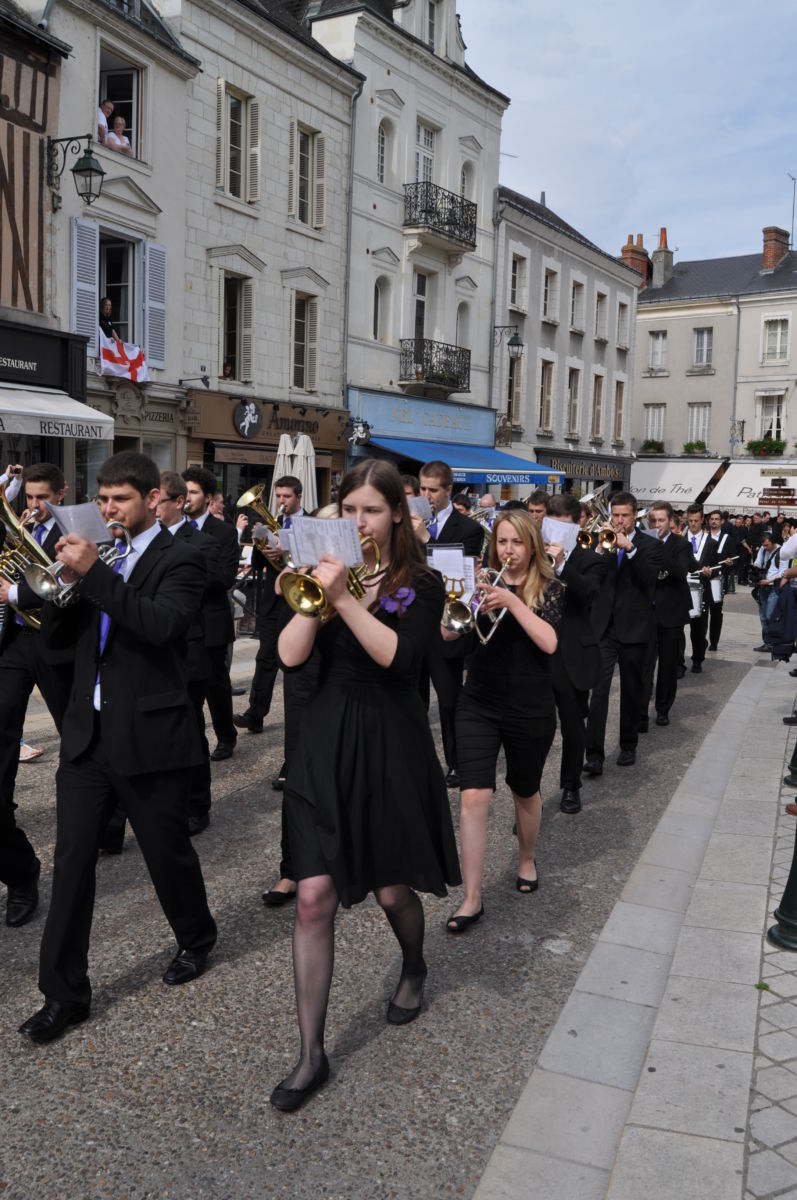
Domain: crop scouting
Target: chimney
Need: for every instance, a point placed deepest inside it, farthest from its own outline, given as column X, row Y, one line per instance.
column 636, row 257
column 662, row 261
column 776, row 244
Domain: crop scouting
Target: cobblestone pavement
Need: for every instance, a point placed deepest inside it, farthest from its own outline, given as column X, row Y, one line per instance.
column 164, row 1092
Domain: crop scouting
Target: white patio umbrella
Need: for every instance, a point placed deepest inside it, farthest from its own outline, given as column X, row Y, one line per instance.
column 304, row 469
column 283, row 465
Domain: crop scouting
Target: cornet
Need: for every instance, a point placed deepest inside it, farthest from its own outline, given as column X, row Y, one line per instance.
column 607, row 540
column 44, row 581
column 306, row 596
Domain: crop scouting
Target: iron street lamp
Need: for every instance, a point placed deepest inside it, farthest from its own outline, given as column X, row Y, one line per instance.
column 509, row 334
column 87, row 172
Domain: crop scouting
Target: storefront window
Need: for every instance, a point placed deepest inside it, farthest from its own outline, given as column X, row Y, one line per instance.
column 89, row 457
column 160, row 451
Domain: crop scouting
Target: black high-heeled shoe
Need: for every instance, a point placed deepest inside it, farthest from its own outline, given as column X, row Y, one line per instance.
column 396, row 1015
column 289, row 1099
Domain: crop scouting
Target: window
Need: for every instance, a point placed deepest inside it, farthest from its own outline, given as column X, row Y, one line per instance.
column 776, row 340
column 601, row 316
column 237, row 144
column 236, row 296
column 463, row 325
column 577, row 305
column 657, row 359
column 597, row 406
column 550, row 296
column 514, row 390
column 701, row 356
column 377, row 303
column 654, row 422
column 117, row 282
column 619, row 410
column 424, row 153
column 381, row 313
column 770, row 415
column 517, row 283
column 431, row 21
column 698, row 423
column 420, row 310
column 307, row 176
column 573, row 398
column 622, row 324
column 545, row 412
column 381, row 152
column 304, row 359
column 121, row 82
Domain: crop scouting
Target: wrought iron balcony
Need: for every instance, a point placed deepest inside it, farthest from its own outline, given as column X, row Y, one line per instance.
column 429, row 209
column 434, row 365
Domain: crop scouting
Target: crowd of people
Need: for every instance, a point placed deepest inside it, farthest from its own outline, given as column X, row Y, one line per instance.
column 565, row 592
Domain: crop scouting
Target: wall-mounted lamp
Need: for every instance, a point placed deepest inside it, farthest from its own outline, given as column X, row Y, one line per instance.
column 87, row 172
column 509, row 334
column 324, row 412
column 360, row 432
column 302, row 412
column 194, row 379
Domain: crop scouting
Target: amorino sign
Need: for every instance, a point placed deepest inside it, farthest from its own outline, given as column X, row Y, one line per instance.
column 417, row 418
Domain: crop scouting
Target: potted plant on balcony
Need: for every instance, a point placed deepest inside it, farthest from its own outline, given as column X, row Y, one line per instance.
column 766, row 447
column 698, row 447
column 651, row 446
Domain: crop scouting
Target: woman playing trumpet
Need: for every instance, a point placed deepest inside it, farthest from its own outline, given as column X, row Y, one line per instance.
column 508, row 701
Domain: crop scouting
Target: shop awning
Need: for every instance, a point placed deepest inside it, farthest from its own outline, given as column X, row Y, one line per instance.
column 678, row 481
column 473, row 464
column 50, row 413
column 763, row 485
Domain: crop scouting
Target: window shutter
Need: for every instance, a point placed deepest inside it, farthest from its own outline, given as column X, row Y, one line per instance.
column 85, row 280
column 220, row 371
column 247, row 322
column 517, row 393
column 319, row 202
column 293, row 154
column 311, row 377
column 220, row 94
column 253, row 135
column 155, row 305
column 548, row 397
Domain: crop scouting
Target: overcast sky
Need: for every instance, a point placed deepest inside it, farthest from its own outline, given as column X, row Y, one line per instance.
column 631, row 115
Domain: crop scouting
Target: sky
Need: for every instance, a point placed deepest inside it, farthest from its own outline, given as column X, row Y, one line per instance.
column 632, row 115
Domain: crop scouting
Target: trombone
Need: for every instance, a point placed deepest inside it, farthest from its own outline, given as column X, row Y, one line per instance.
column 306, row 596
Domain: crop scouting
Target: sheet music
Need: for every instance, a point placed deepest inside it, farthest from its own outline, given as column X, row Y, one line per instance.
column 562, row 533
column 310, row 538
column 83, row 519
column 451, row 562
column 419, row 506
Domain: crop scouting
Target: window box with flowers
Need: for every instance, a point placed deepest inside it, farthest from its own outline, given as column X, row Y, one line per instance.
column 766, row 447
column 651, row 446
column 698, row 447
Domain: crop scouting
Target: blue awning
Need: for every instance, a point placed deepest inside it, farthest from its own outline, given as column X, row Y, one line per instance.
column 473, row 464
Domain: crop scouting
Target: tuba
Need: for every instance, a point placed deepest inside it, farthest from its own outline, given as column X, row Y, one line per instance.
column 44, row 581
column 20, row 553
column 306, row 596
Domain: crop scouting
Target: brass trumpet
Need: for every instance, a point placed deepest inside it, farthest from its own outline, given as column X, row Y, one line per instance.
column 44, row 581
column 306, row 596
column 584, row 539
column 607, row 540
column 490, row 578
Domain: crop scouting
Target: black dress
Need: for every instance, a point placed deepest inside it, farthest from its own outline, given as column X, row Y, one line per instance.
column 366, row 801
column 508, row 701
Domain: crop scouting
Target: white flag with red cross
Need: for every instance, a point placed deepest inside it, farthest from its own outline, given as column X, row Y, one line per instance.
column 123, row 360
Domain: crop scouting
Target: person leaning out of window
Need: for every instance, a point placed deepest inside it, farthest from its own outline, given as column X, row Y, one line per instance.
column 115, row 139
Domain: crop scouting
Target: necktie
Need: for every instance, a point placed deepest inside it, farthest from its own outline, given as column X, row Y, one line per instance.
column 694, row 545
column 620, row 554
column 40, row 533
column 194, row 524
column 433, row 529
column 105, row 620
column 286, row 524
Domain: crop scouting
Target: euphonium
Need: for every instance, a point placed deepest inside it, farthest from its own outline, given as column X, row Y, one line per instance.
column 20, row 552
column 306, row 596
column 254, row 499
column 44, row 581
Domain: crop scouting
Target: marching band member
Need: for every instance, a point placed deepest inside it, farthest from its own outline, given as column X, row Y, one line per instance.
column 725, row 550
column 508, row 701
column 366, row 801
column 622, row 617
column 703, row 550
column 537, row 504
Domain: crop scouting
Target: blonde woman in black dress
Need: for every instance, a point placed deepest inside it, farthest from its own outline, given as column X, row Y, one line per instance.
column 366, row 802
column 508, row 701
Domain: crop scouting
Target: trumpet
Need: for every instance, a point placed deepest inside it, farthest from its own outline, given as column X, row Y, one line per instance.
column 584, row 539
column 306, row 596
column 607, row 540
column 44, row 581
column 490, row 578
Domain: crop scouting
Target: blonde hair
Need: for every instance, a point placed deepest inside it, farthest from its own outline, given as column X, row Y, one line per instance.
column 540, row 572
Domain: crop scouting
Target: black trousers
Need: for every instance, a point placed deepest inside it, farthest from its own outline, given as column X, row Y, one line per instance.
column 218, row 692
column 666, row 649
column 22, row 669
column 446, row 674
column 632, row 659
column 157, row 807
column 299, row 687
column 572, row 706
column 714, row 622
column 266, row 666
column 697, row 633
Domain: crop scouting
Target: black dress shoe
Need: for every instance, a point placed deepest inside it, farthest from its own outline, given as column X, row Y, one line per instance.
column 273, row 899
column 238, row 691
column 571, row 801
column 396, row 1015
column 626, row 758
column 461, row 923
column 51, row 1020
column 23, row 900
column 452, row 778
column 791, row 780
column 197, row 822
column 278, row 782
column 186, row 966
column 643, row 726
column 662, row 719
column 593, row 765
column 289, row 1099
column 680, row 672
column 792, row 720
column 793, row 674
column 250, row 724
column 696, row 669
column 222, row 751
column 762, row 649
column 712, row 647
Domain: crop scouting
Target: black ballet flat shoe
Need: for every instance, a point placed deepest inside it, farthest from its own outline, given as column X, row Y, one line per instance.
column 396, row 1015
column 274, row 899
column 461, row 923
column 289, row 1099
column 526, row 886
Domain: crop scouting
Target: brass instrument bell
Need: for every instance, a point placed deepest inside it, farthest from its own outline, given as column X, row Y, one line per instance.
column 306, row 596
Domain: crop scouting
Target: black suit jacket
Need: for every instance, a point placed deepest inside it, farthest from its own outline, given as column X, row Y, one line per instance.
column 578, row 648
column 673, row 598
column 197, row 663
column 146, row 719
column 626, row 595
column 222, row 572
column 461, row 529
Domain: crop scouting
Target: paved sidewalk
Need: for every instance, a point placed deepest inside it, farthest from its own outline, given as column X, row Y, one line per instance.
column 671, row 1061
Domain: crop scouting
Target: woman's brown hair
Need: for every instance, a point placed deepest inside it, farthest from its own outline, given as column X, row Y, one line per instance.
column 540, row 572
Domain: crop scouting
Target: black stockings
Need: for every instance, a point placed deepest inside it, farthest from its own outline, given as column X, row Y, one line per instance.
column 404, row 911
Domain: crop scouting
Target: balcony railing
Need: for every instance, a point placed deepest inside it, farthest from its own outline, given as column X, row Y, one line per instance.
column 435, row 364
column 427, row 206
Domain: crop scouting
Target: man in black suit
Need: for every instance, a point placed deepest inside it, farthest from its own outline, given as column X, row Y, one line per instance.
column 703, row 549
column 216, row 606
column 448, row 527
column 622, row 617
column 576, row 664
column 725, row 552
column 26, row 662
column 128, row 736
column 672, row 604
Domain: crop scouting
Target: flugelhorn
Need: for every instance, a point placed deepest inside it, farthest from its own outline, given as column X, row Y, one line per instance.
column 306, row 596
column 490, row 578
column 45, row 581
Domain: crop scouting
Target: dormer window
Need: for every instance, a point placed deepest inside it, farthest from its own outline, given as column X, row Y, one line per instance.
column 431, row 20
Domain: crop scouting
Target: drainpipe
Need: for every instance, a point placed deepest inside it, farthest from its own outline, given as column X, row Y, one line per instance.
column 45, row 17
column 498, row 216
column 347, row 284
column 735, row 369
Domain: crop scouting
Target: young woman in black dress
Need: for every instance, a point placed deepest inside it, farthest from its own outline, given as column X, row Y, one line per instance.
column 366, row 802
column 508, row 701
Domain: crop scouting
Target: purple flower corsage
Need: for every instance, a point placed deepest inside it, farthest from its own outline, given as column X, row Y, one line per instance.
column 399, row 601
